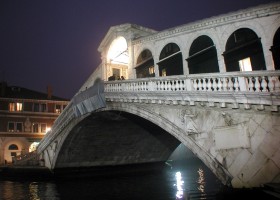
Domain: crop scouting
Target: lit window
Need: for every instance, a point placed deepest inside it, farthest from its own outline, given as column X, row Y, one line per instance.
column 57, row 109
column 163, row 72
column 245, row 64
column 151, row 70
column 15, row 107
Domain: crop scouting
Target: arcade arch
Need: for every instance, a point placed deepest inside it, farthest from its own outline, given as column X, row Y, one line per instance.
column 117, row 59
column 244, row 51
column 170, row 60
column 145, row 65
column 203, row 56
column 275, row 49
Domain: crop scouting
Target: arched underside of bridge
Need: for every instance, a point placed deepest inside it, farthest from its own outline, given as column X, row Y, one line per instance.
column 111, row 138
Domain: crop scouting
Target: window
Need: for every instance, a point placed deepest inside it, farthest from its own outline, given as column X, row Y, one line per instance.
column 35, row 127
column 151, row 70
column 163, row 72
column 245, row 64
column 43, row 107
column 15, row 107
column 15, row 126
column 43, row 128
column 11, row 126
column 19, row 126
column 57, row 108
column 13, row 147
column 36, row 107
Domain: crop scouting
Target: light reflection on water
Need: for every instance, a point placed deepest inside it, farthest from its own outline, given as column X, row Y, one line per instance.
column 186, row 180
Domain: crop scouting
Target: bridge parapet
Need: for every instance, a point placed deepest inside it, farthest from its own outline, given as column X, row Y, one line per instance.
column 61, row 122
column 248, row 88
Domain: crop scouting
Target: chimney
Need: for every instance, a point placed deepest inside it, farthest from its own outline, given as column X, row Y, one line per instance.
column 3, row 88
column 49, row 90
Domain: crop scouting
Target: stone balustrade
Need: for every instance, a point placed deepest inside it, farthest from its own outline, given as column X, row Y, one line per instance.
column 260, row 81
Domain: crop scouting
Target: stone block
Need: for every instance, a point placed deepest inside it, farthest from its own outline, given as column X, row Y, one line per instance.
column 267, row 123
column 252, row 166
column 270, row 144
column 257, row 138
column 238, row 162
column 230, row 137
column 276, row 158
column 268, row 173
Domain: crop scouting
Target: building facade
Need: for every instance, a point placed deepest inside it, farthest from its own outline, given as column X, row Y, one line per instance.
column 25, row 117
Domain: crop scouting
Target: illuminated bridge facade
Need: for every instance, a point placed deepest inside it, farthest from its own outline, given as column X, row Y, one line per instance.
column 212, row 85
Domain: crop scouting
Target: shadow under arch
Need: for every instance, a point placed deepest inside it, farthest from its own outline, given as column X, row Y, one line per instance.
column 110, row 138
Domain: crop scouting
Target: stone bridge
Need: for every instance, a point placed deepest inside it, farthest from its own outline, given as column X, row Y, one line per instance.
column 212, row 85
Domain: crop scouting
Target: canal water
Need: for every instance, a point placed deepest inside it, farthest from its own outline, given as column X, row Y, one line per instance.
column 184, row 179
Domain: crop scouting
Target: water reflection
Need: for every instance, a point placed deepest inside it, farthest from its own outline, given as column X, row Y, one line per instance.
column 33, row 191
column 179, row 184
column 19, row 190
column 201, row 180
column 178, row 180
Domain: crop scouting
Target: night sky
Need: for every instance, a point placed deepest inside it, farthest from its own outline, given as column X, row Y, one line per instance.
column 54, row 42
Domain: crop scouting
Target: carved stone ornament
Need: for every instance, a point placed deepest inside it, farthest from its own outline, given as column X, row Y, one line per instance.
column 188, row 117
column 227, row 118
column 27, row 125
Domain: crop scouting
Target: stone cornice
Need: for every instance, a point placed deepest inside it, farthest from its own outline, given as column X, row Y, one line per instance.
column 241, row 15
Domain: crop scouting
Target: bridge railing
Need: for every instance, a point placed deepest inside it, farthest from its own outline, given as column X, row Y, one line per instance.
column 258, row 81
column 60, row 123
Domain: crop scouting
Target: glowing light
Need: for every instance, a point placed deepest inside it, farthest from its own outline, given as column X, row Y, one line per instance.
column 117, row 53
column 33, row 146
column 48, row 129
column 179, row 184
column 245, row 64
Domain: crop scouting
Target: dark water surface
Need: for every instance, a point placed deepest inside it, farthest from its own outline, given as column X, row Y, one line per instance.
column 189, row 179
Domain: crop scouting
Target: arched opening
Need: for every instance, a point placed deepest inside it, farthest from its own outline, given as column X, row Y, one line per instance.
column 145, row 65
column 244, row 51
column 276, row 49
column 115, row 138
column 203, row 56
column 170, row 61
column 13, row 147
column 117, row 59
column 12, row 150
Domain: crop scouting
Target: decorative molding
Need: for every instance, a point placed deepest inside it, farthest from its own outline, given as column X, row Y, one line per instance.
column 245, row 14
